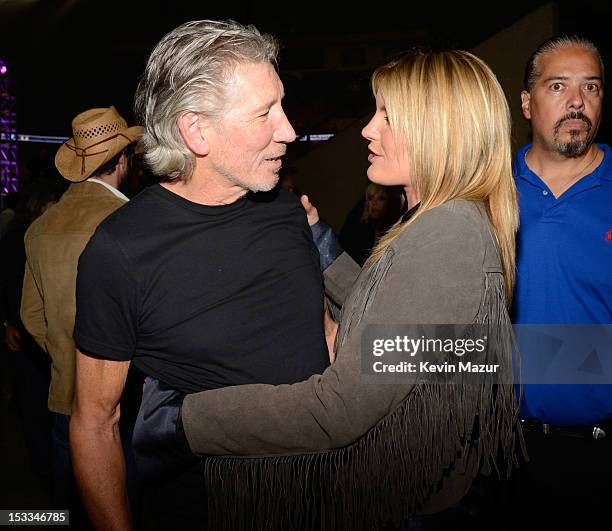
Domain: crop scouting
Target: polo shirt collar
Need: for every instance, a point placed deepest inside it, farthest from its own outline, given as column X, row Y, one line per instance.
column 603, row 171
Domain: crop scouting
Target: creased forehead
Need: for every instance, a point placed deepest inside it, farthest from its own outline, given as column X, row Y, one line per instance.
column 570, row 59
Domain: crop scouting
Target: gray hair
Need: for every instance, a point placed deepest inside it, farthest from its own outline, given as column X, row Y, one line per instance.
column 188, row 71
column 559, row 42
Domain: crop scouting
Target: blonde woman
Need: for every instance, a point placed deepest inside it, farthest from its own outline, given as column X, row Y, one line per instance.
column 334, row 452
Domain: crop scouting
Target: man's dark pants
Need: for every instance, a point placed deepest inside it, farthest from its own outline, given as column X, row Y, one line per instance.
column 171, row 478
column 566, row 485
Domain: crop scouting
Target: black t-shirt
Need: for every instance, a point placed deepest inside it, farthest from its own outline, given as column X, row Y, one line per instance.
column 202, row 297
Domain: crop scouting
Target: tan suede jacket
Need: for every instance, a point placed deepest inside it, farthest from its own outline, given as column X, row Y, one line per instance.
column 53, row 245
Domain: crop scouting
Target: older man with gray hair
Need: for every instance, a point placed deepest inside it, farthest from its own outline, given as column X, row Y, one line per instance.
column 197, row 281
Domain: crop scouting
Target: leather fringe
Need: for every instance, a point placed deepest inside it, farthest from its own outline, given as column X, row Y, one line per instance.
column 392, row 471
column 359, row 301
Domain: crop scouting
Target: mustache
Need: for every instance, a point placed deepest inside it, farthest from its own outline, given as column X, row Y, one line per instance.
column 277, row 155
column 575, row 115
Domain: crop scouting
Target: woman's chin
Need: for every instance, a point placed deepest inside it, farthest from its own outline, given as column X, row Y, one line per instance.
column 374, row 175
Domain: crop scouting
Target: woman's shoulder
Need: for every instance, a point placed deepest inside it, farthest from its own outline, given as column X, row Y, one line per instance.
column 443, row 251
column 454, row 220
column 461, row 212
column 458, row 228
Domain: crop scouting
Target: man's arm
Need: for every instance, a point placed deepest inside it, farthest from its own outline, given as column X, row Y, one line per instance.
column 32, row 308
column 95, row 442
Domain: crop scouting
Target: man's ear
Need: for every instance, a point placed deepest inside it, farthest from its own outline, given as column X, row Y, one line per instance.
column 525, row 104
column 192, row 127
column 122, row 164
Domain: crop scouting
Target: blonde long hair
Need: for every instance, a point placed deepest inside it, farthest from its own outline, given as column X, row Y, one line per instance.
column 448, row 111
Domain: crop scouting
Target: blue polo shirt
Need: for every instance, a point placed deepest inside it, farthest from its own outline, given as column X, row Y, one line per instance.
column 564, row 275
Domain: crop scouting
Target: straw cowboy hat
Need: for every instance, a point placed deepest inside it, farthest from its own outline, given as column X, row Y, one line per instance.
column 98, row 135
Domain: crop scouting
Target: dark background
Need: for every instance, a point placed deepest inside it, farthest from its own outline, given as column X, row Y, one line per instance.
column 70, row 55
column 66, row 56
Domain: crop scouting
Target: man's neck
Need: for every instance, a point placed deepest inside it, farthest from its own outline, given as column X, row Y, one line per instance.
column 112, row 179
column 206, row 191
column 558, row 171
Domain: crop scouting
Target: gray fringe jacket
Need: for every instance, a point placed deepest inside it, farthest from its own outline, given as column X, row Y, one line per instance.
column 336, row 453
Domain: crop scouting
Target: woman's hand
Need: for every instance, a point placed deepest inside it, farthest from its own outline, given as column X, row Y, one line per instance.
column 311, row 211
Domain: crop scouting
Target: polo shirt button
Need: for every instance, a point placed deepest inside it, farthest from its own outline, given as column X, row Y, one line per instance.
column 544, row 192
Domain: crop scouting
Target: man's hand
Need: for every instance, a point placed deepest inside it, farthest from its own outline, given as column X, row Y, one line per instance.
column 311, row 211
column 12, row 338
column 331, row 329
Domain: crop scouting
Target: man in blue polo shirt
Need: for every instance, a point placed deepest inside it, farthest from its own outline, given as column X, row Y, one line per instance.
column 564, row 277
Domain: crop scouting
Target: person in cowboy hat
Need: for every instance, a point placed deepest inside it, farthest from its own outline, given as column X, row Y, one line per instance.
column 96, row 161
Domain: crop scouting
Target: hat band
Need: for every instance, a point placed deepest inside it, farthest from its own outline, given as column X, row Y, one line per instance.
column 81, row 152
